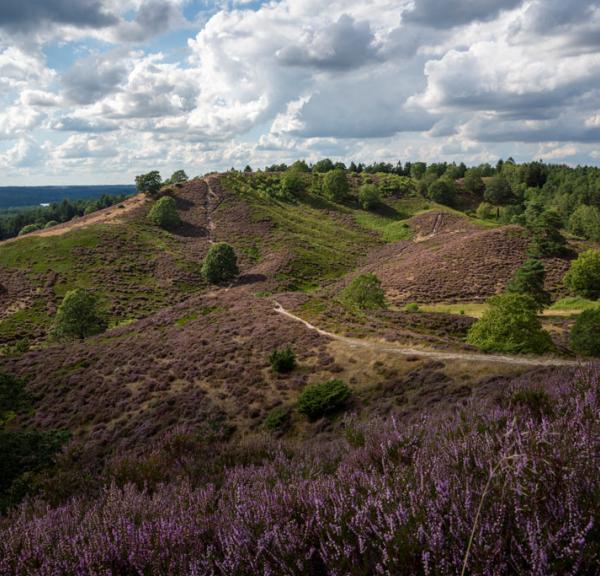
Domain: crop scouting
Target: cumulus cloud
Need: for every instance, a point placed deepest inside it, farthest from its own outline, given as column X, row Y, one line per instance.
column 268, row 82
column 451, row 13
column 25, row 15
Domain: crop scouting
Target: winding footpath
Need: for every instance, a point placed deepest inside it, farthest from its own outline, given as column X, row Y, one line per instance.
column 436, row 355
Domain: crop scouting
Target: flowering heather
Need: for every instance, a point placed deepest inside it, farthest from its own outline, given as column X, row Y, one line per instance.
column 512, row 489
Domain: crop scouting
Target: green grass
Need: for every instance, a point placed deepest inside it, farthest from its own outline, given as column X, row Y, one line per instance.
column 323, row 247
column 473, row 309
column 573, row 304
column 389, row 228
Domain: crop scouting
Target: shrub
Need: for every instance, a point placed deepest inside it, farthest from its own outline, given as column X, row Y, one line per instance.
column 13, row 397
column 585, row 334
column 277, row 419
column 335, row 185
column 29, row 228
column 583, row 278
column 317, row 400
column 164, row 213
column 220, row 264
column 510, row 325
column 585, row 221
column 412, row 307
column 368, row 196
column 178, row 177
column 292, row 183
column 50, row 224
column 442, row 191
column 283, row 360
column 364, row 292
column 485, row 211
column 78, row 316
column 529, row 279
column 149, row 183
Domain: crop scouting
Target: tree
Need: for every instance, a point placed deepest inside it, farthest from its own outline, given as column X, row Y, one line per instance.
column 585, row 334
column 510, row 325
column 583, row 278
column 317, row 400
column 547, row 237
column 300, row 166
column 529, row 279
column 442, row 191
column 322, row 166
column 369, row 196
column 498, row 191
column 248, row 169
column 364, row 292
column 292, row 183
column 149, row 183
column 220, row 264
column 178, row 177
column 164, row 213
column 417, row 170
column 335, row 185
column 473, row 183
column 78, row 316
column 585, row 221
column 485, row 211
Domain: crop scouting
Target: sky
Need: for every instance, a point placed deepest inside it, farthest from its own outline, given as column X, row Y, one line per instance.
column 97, row 91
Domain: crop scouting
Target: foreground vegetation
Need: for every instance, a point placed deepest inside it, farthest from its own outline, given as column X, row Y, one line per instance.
column 514, row 489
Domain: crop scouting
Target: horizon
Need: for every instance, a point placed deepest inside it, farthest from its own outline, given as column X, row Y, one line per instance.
column 96, row 92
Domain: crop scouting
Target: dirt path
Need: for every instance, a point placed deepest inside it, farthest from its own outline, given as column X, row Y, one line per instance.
column 104, row 216
column 394, row 349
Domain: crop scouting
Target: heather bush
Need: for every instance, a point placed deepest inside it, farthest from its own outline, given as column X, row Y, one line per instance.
column 495, row 490
column 510, row 325
column 220, row 264
column 585, row 334
column 583, row 278
column 364, row 292
column 164, row 213
column 323, row 398
column 78, row 316
column 283, row 360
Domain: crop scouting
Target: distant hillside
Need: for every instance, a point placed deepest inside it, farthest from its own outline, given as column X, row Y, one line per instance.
column 15, row 196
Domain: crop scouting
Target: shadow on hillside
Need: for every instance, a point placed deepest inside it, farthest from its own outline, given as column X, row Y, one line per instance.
column 184, row 204
column 246, row 279
column 189, row 230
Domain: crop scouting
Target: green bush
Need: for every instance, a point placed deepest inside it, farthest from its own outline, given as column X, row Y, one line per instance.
column 283, row 360
column 29, row 228
column 547, row 237
column 442, row 191
column 510, row 325
column 585, row 334
column 485, row 211
column 78, row 316
column 220, row 264
column 317, row 400
column 277, row 419
column 411, row 307
column 583, row 278
column 364, row 292
column 164, row 213
column 335, row 185
column 368, row 196
column 50, row 224
column 13, row 397
column 585, row 221
column 292, row 183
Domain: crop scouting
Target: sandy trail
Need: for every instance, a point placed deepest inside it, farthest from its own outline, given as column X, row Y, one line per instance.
column 436, row 355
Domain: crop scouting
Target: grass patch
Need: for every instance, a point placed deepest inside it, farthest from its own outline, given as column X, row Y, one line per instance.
column 473, row 309
column 571, row 305
column 391, row 228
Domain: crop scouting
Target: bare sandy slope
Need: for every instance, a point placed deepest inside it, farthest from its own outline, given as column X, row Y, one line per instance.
column 113, row 213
